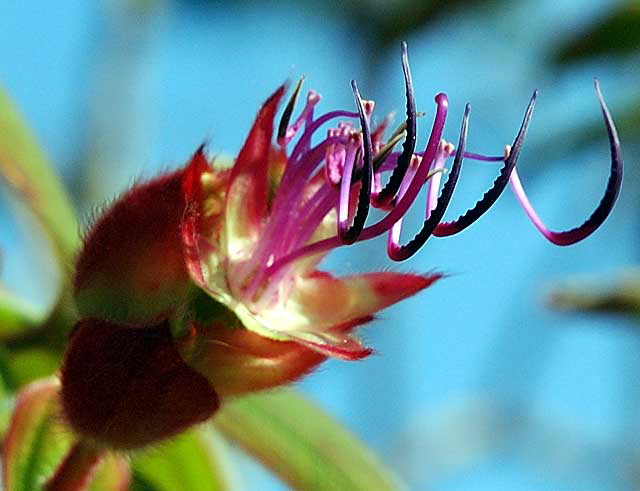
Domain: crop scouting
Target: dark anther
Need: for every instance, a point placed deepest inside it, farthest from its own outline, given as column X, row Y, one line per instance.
column 351, row 233
column 400, row 253
column 391, row 188
column 288, row 110
column 611, row 192
column 491, row 196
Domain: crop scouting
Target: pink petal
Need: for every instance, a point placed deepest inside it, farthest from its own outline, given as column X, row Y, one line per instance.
column 247, row 191
column 326, row 302
column 237, row 361
column 334, row 344
column 196, row 229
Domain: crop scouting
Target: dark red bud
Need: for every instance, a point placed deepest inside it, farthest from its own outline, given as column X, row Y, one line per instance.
column 125, row 387
column 132, row 268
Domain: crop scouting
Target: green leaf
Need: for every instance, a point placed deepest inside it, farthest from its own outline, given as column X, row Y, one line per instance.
column 112, row 474
column 616, row 34
column 16, row 314
column 191, row 461
column 34, row 444
column 302, row 444
column 622, row 298
column 28, row 364
column 37, row 442
column 27, row 170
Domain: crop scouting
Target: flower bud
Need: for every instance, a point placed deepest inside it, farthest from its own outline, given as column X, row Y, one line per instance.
column 125, row 387
column 132, row 268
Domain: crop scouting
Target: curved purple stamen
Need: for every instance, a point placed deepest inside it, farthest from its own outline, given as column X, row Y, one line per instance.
column 404, row 203
column 297, row 216
column 313, row 127
column 388, row 192
column 607, row 202
column 491, row 196
column 401, row 207
column 399, row 252
column 349, row 234
column 483, row 158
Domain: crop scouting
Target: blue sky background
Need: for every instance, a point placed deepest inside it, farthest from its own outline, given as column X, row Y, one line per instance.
column 476, row 384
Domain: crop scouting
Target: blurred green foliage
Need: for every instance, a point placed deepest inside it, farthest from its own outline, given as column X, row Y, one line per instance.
column 617, row 34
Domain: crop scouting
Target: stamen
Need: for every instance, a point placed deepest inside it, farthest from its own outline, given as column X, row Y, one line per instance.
column 284, row 210
column 311, row 128
column 399, row 252
column 305, row 117
column 491, row 196
column 348, row 234
column 445, row 150
column 484, row 158
column 286, row 114
column 387, row 193
column 404, row 203
column 607, row 202
column 395, row 214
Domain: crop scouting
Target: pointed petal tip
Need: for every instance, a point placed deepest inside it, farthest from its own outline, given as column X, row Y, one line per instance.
column 197, row 165
column 333, row 344
column 393, row 287
column 248, row 183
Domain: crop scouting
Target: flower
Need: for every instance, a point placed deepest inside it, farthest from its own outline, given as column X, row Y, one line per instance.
column 203, row 283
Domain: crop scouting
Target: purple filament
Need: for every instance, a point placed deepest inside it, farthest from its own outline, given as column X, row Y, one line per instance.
column 299, row 207
column 492, row 195
column 399, row 252
column 388, row 192
column 348, row 234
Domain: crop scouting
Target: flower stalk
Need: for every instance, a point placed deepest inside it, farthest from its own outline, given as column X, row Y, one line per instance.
column 76, row 470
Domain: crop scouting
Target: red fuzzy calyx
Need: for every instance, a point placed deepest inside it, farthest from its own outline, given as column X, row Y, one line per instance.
column 126, row 387
column 132, row 268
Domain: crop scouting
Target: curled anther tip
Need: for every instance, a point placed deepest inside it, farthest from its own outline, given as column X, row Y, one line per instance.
column 348, row 234
column 403, row 47
column 368, row 106
column 596, row 84
column 313, row 96
column 611, row 128
column 514, row 150
column 442, row 99
column 507, row 151
column 288, row 111
column 491, row 196
column 448, row 147
column 399, row 252
column 602, row 211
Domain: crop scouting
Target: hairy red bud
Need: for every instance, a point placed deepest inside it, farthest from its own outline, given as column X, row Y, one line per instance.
column 132, row 268
column 126, row 387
